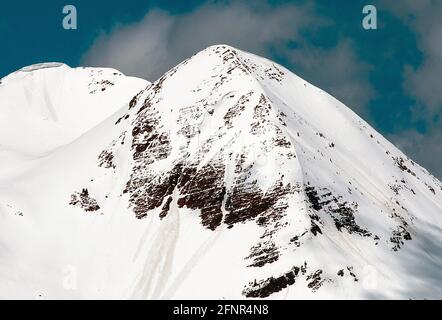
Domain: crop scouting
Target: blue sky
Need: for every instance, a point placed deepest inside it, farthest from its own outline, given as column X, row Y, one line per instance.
column 388, row 76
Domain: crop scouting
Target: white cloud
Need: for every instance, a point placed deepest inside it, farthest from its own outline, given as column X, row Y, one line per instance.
column 424, row 18
column 423, row 83
column 140, row 49
column 161, row 40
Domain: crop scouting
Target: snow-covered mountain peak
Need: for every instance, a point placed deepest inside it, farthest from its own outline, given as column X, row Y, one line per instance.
column 46, row 106
column 32, row 69
column 56, row 103
column 231, row 177
column 251, row 148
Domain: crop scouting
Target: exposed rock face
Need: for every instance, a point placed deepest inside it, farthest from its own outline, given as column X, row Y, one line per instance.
column 224, row 151
column 84, row 200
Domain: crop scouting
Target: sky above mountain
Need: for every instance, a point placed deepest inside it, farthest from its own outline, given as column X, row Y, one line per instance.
column 389, row 76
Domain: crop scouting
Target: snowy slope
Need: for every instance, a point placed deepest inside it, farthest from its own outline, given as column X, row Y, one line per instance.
column 229, row 177
column 45, row 106
column 56, row 103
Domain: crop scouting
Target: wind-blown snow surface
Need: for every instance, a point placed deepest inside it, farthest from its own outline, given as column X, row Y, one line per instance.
column 45, row 106
column 229, row 177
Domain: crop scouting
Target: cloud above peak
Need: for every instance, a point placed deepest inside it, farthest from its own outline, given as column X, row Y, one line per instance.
column 159, row 41
column 424, row 19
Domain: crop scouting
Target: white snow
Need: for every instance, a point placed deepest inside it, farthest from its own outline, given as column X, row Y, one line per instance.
column 55, row 121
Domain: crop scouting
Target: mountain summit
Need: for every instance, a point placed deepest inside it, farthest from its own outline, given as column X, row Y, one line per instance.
column 228, row 177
